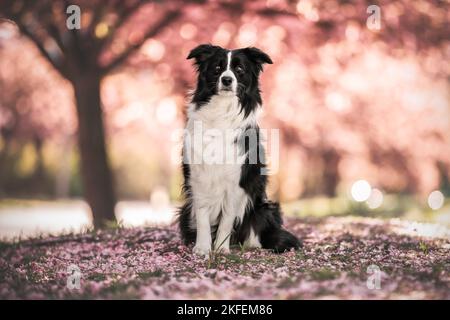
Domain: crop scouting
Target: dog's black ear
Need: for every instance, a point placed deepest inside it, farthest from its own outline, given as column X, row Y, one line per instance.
column 202, row 52
column 257, row 56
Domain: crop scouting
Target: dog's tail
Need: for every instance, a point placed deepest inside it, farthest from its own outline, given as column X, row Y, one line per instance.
column 268, row 224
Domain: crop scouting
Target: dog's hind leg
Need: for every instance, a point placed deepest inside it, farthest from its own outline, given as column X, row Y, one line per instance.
column 253, row 240
column 269, row 227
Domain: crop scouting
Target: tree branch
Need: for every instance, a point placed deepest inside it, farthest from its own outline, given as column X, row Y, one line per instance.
column 17, row 16
column 125, row 14
column 38, row 43
column 164, row 22
column 128, row 11
column 271, row 12
column 53, row 32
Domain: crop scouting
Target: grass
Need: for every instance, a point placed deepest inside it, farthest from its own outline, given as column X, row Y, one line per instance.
column 158, row 273
column 323, row 274
column 97, row 277
column 423, row 247
column 393, row 206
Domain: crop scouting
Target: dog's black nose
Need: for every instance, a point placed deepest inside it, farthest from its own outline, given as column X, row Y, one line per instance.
column 226, row 81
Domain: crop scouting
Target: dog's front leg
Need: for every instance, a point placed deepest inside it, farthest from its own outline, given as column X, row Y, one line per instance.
column 203, row 241
column 234, row 208
column 222, row 243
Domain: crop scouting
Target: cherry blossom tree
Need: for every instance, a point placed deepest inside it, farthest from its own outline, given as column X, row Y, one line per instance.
column 351, row 102
column 84, row 56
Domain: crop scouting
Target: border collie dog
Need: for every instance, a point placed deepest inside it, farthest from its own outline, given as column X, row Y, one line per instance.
column 226, row 200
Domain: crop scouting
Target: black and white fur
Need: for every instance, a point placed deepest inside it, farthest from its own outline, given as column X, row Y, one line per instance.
column 226, row 203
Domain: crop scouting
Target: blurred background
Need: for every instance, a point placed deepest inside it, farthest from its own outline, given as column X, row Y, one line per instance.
column 91, row 95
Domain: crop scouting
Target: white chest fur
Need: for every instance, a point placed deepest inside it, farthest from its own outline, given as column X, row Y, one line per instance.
column 215, row 162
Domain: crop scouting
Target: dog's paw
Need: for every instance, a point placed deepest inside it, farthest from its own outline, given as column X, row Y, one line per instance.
column 202, row 250
column 223, row 250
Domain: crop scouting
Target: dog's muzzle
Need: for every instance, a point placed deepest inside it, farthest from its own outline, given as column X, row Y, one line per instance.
column 226, row 84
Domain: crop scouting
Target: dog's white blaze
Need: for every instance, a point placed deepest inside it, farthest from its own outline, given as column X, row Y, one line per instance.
column 229, row 59
column 228, row 72
column 215, row 187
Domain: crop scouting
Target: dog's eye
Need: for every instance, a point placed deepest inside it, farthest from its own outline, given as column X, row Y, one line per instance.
column 217, row 69
column 239, row 70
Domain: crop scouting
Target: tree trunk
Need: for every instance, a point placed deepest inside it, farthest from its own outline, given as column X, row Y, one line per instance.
column 331, row 172
column 95, row 170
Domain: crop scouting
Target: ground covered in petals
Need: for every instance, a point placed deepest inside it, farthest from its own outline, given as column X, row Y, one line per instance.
column 344, row 258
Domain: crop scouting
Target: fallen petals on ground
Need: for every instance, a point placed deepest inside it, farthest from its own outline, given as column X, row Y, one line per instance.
column 343, row 258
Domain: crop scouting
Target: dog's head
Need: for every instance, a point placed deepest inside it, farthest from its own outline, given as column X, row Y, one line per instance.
column 228, row 73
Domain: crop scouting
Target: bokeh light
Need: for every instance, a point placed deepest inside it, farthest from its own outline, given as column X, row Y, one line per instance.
column 166, row 111
column 436, row 200
column 101, row 30
column 188, row 31
column 247, row 35
column 376, row 199
column 153, row 49
column 222, row 36
column 307, row 9
column 361, row 190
